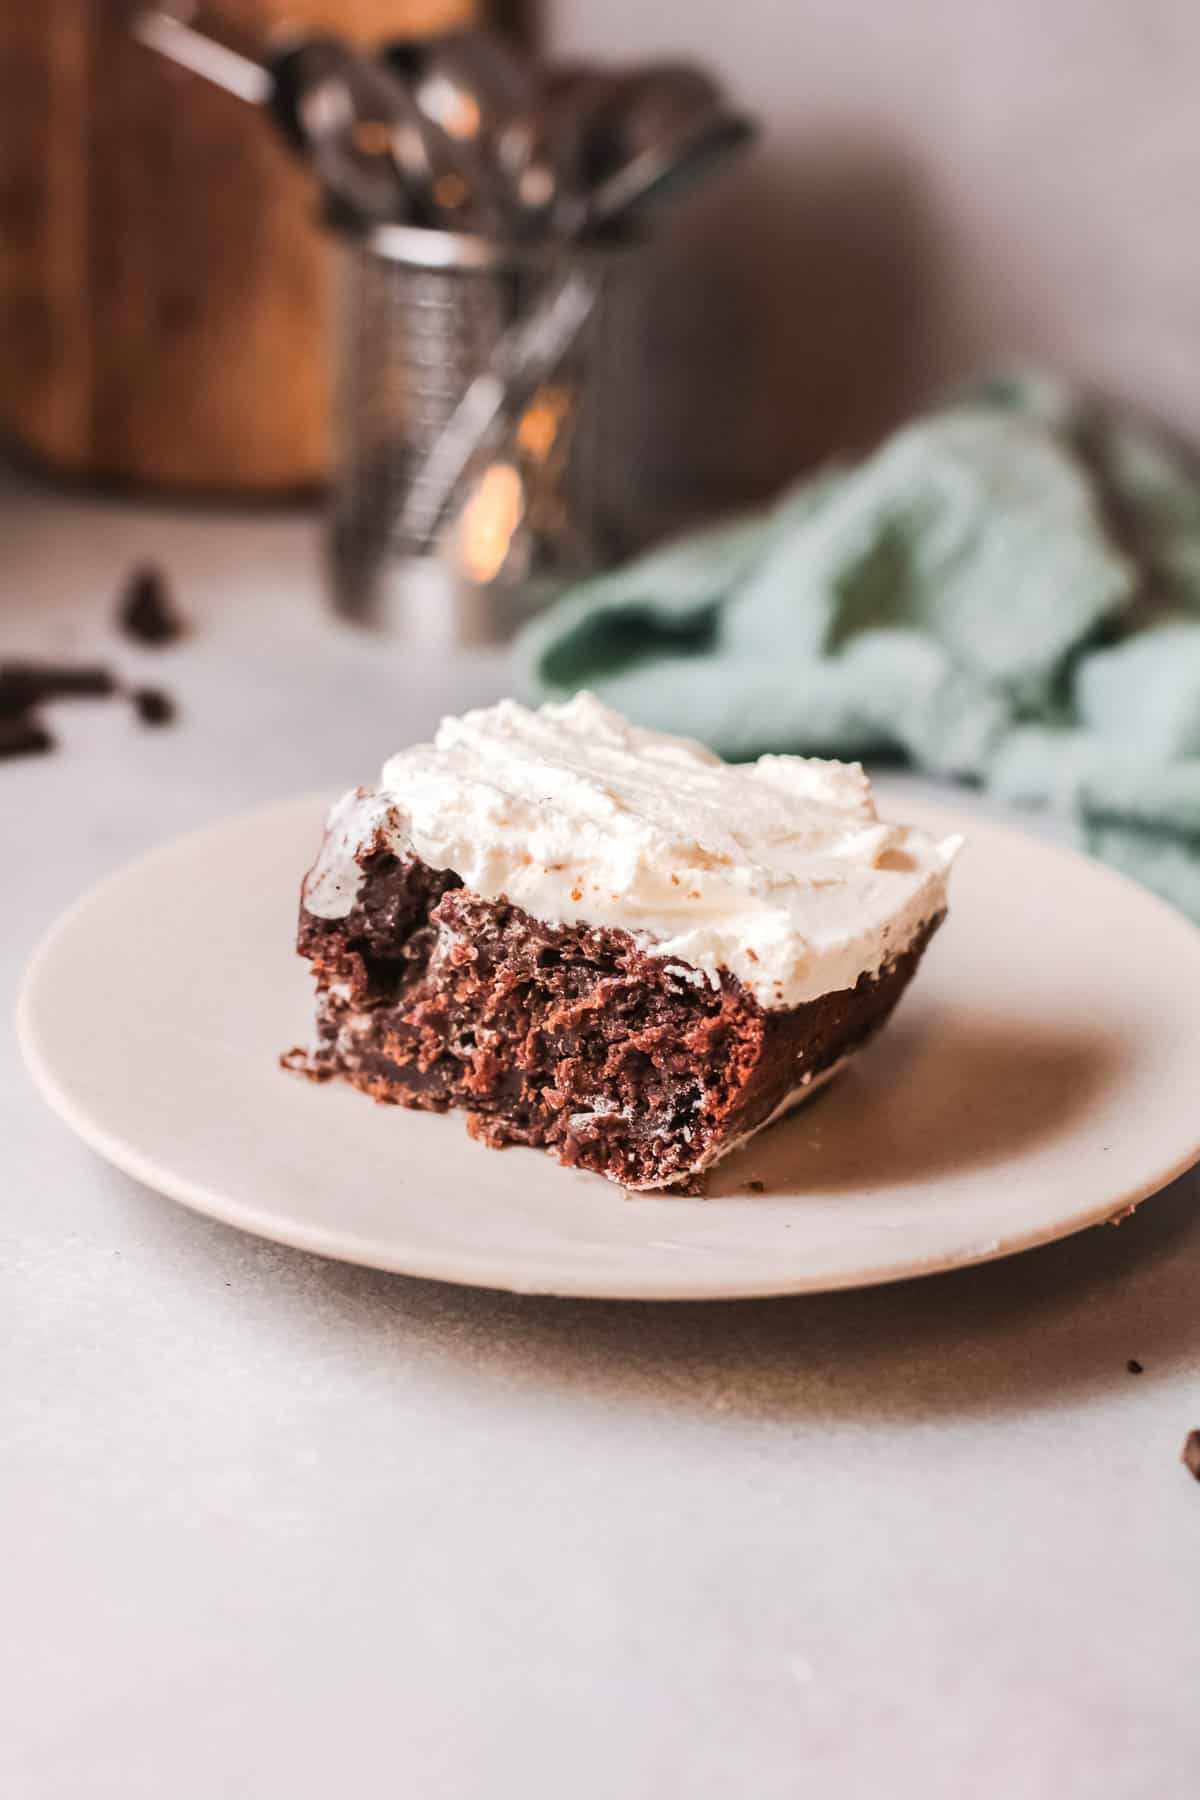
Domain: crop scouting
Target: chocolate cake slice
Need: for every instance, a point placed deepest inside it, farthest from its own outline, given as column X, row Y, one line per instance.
column 605, row 942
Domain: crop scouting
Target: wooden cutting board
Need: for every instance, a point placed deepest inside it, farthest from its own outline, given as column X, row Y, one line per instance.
column 165, row 294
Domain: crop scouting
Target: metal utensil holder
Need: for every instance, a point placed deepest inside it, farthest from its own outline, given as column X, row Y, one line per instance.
column 421, row 314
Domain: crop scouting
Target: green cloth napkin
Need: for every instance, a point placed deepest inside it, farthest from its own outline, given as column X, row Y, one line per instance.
column 1007, row 592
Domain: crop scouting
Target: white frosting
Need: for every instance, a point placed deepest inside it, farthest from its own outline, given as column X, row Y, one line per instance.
column 779, row 871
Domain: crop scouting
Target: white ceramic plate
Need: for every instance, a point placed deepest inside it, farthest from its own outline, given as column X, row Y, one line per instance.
column 1041, row 1076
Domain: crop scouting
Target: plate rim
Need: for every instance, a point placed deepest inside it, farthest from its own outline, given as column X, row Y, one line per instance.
column 480, row 1272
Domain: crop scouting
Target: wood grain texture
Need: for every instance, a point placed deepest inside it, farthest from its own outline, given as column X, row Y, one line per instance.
column 165, row 294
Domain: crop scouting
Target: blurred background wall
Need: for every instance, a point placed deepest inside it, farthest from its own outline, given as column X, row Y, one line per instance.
column 943, row 183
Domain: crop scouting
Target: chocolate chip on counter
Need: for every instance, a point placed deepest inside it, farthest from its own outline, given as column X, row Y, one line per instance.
column 15, row 693
column 1134, row 1366
column 21, row 736
column 1191, row 1453
column 26, row 684
column 152, row 706
column 85, row 681
column 146, row 611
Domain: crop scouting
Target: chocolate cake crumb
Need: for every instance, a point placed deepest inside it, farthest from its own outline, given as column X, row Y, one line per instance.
column 152, row 706
column 146, row 612
column 1191, row 1453
column 23, row 736
column 1134, row 1366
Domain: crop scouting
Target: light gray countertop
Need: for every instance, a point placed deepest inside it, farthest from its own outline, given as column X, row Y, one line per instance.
column 281, row 1528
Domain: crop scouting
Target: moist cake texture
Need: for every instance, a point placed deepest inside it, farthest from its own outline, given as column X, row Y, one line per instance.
column 606, row 942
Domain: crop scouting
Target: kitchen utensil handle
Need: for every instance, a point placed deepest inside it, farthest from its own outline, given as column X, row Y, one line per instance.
column 526, row 355
column 250, row 80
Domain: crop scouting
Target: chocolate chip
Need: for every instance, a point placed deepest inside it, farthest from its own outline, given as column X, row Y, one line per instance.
column 84, row 681
column 23, row 736
column 146, row 611
column 15, row 693
column 25, row 684
column 757, row 1187
column 1191, row 1453
column 1134, row 1366
column 153, row 707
